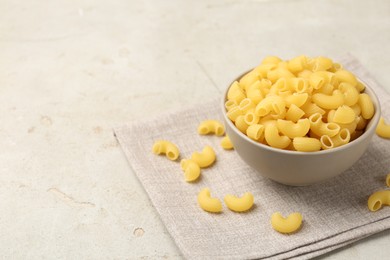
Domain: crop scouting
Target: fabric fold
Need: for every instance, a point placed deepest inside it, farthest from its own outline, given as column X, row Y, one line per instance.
column 335, row 212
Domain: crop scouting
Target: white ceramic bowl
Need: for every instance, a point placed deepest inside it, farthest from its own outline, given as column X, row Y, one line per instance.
column 300, row 168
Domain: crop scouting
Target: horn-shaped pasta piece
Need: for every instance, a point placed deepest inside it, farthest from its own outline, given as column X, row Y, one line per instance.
column 264, row 68
column 274, row 139
column 235, row 93
column 351, row 126
column 229, row 104
column 226, row 143
column 251, row 118
column 317, row 81
column 270, row 103
column 329, row 101
column 351, row 94
column 336, row 67
column 294, row 113
column 191, row 170
column 278, row 73
column 268, row 120
column 346, row 76
column 246, row 104
column 320, row 128
column 297, row 99
column 306, row 144
column 297, row 64
column 207, row 203
column 286, row 225
column 356, row 108
column 165, row 147
column 322, row 63
column 255, row 132
column 239, row 204
column 249, row 78
column 342, row 137
column 326, row 142
column 366, row 106
column 344, row 115
column 234, row 113
column 279, row 86
column 291, row 129
column 383, row 129
column 211, row 127
column 205, row 158
column 378, row 199
column 327, row 89
column 263, row 109
column 311, row 108
column 254, row 93
column 241, row 124
column 328, row 76
column 271, row 60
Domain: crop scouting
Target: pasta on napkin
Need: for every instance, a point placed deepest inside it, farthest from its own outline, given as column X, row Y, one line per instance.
column 335, row 212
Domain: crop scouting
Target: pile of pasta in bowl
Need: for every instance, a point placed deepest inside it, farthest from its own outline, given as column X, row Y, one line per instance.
column 302, row 104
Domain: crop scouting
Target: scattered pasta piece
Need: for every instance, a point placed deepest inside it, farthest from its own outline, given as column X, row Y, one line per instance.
column 383, row 129
column 388, row 180
column 165, row 147
column 191, row 170
column 207, row 203
column 211, row 127
column 378, row 199
column 226, row 143
column 286, row 225
column 239, row 204
column 204, row 158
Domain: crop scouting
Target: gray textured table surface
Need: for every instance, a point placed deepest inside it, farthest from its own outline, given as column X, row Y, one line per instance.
column 70, row 71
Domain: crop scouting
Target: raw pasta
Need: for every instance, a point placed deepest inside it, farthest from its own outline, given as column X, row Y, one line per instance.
column 226, row 143
column 207, row 203
column 285, row 104
column 205, row 158
column 166, row 147
column 383, row 129
column 286, row 225
column 378, row 199
column 211, row 127
column 239, row 204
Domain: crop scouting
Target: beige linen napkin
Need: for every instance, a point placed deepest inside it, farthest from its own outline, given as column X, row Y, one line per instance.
column 335, row 212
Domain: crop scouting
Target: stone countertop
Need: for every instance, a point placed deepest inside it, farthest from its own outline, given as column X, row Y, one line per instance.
column 70, row 71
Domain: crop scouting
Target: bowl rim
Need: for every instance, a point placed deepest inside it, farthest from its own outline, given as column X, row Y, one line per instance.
column 371, row 125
